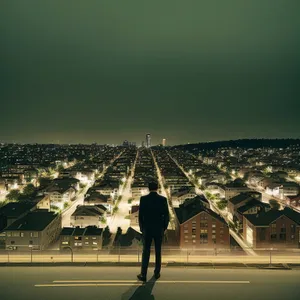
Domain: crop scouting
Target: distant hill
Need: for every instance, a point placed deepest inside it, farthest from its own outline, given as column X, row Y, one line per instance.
column 243, row 143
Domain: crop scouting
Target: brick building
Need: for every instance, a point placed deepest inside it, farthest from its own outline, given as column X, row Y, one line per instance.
column 272, row 229
column 200, row 227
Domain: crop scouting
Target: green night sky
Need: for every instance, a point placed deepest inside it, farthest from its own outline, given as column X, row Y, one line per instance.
column 187, row 71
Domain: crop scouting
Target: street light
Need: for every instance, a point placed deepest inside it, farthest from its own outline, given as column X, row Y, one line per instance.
column 68, row 247
column 30, row 246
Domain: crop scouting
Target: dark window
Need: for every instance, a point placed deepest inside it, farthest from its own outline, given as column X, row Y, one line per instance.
column 262, row 234
column 273, row 236
column 282, row 236
column 293, row 229
column 12, row 242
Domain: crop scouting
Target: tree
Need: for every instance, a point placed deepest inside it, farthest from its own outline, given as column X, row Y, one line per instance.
column 60, row 168
column 103, row 220
column 29, row 190
column 106, row 236
column 13, row 195
column 274, row 204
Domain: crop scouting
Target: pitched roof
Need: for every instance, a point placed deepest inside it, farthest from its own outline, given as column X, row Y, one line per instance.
column 87, row 231
column 247, row 196
column 266, row 218
column 93, row 210
column 16, row 209
column 191, row 208
column 252, row 203
column 37, row 220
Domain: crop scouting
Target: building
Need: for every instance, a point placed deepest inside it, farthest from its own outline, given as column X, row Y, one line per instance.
column 36, row 230
column 12, row 211
column 134, row 215
column 91, row 215
column 164, row 142
column 96, row 198
column 239, row 200
column 200, row 227
column 272, row 229
column 231, row 190
column 178, row 197
column 89, row 238
column 148, row 140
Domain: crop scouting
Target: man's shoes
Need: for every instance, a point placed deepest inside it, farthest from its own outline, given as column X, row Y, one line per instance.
column 141, row 277
column 156, row 275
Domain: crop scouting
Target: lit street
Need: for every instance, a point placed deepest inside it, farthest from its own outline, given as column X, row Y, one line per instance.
column 112, row 283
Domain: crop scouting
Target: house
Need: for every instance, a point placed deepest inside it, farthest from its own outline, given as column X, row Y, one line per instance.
column 239, row 200
column 138, row 189
column 96, row 198
column 89, row 238
column 62, row 190
column 107, row 187
column 36, row 230
column 131, row 238
column 273, row 228
column 88, row 215
column 282, row 189
column 200, row 227
column 178, row 197
column 294, row 201
column 215, row 188
column 235, row 188
column 134, row 215
column 12, row 211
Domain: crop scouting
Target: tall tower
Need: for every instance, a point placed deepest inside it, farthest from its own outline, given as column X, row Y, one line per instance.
column 148, row 140
column 164, row 142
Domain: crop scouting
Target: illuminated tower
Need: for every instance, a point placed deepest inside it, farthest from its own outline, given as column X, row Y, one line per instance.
column 148, row 140
column 164, row 142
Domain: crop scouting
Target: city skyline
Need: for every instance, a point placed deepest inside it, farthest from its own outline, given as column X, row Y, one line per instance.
column 199, row 74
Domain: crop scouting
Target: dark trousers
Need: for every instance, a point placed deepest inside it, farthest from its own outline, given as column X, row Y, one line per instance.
column 148, row 236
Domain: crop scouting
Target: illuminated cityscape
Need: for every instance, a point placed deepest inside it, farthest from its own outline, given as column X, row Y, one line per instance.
column 150, row 150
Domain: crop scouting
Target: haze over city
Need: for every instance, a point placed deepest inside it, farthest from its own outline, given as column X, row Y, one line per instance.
column 187, row 71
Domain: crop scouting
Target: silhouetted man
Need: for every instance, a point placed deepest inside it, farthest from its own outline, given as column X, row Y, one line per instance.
column 153, row 221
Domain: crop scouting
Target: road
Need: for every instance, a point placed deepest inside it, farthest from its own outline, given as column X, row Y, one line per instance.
column 118, row 219
column 66, row 214
column 172, row 224
column 112, row 283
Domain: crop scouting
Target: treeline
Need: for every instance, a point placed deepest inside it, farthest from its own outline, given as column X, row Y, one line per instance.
column 243, row 143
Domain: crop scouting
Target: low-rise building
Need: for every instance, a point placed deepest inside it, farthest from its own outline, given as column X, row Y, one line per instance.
column 36, row 230
column 96, row 198
column 89, row 238
column 12, row 211
column 134, row 215
column 200, row 227
column 178, row 197
column 272, row 229
column 89, row 215
column 239, row 200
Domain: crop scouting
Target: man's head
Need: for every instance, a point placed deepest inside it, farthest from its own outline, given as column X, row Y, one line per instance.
column 153, row 186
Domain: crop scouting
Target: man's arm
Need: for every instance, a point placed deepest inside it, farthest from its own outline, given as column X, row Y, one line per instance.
column 141, row 214
column 166, row 214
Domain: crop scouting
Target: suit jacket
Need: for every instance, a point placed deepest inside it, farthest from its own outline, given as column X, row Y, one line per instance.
column 153, row 213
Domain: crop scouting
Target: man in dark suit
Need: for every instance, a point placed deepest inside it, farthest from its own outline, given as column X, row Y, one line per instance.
column 153, row 221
